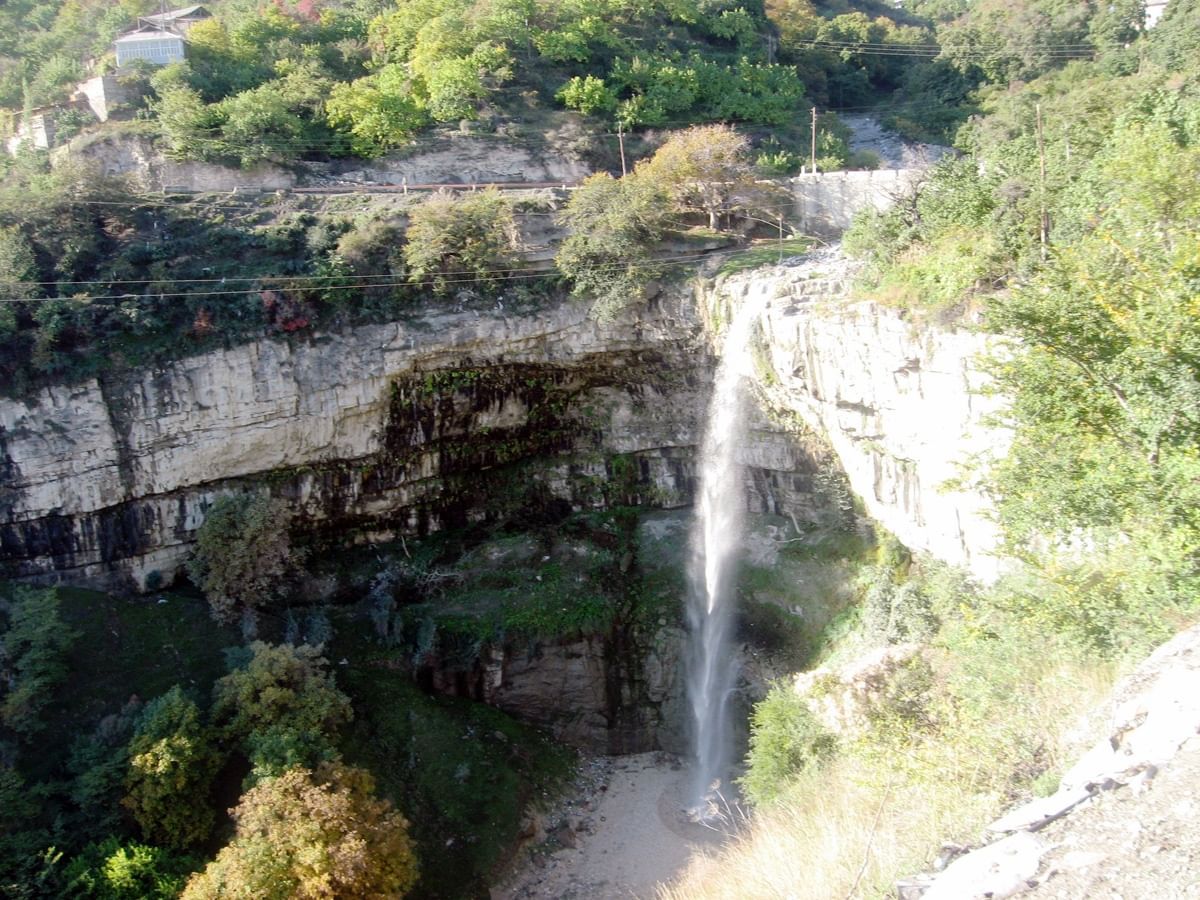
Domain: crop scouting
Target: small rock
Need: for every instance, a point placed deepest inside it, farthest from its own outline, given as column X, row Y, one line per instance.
column 1080, row 859
column 947, row 855
column 913, row 888
column 993, row 872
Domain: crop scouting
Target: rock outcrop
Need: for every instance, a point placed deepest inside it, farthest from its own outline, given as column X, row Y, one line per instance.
column 1121, row 821
column 396, row 426
column 902, row 404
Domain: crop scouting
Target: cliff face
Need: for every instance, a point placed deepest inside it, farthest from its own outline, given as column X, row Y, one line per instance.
column 901, row 404
column 416, row 425
column 390, row 426
column 457, row 417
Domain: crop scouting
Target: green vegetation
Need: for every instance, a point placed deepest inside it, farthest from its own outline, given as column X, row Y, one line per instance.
column 461, row 239
column 282, row 707
column 179, row 761
column 312, row 834
column 33, row 658
column 704, row 173
column 172, row 762
column 858, row 784
column 243, row 555
column 785, row 740
column 1091, row 268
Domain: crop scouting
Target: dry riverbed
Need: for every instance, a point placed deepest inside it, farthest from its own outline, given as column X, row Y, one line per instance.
column 618, row 833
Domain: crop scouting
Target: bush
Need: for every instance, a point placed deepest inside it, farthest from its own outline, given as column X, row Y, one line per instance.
column 457, row 238
column 312, row 835
column 785, row 739
column 171, row 766
column 243, row 554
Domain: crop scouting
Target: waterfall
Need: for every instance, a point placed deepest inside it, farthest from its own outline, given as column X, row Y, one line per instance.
column 716, row 540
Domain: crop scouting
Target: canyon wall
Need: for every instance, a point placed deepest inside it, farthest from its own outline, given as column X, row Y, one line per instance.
column 413, row 426
column 903, row 404
column 396, row 426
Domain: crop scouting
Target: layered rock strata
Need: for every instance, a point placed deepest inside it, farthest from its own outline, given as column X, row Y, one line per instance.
column 409, row 426
column 903, row 405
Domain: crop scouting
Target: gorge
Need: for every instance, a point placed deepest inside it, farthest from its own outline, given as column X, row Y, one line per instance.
column 397, row 429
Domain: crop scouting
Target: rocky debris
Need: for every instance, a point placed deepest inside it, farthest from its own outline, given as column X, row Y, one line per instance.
column 1124, row 806
column 607, row 837
column 866, row 133
column 846, row 700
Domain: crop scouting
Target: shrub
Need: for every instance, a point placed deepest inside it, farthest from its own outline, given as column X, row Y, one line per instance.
column 312, row 835
column 785, row 739
column 455, row 238
column 171, row 766
column 243, row 554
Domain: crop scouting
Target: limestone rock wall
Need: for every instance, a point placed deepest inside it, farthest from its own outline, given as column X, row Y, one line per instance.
column 825, row 203
column 462, row 160
column 395, row 426
column 900, row 403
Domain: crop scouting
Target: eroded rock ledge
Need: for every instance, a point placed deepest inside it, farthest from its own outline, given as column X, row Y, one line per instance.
column 396, row 426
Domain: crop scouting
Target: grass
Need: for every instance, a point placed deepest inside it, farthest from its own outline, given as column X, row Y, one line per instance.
column 765, row 252
column 880, row 810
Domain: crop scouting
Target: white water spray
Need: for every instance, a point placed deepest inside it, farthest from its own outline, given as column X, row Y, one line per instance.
column 716, row 539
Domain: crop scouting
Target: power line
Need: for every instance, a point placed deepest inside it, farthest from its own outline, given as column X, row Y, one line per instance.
column 514, row 275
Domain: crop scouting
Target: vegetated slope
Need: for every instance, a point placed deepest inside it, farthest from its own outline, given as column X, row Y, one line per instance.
column 362, row 78
column 1070, row 224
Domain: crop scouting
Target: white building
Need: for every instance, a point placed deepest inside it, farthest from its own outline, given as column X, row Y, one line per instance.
column 1154, row 11
column 155, row 45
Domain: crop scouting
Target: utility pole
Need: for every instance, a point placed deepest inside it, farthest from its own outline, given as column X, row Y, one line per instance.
column 621, row 142
column 1044, row 221
column 813, row 154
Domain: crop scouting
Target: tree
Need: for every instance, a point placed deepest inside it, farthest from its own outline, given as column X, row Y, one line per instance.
column 612, row 226
column 378, row 111
column 243, row 553
column 304, row 835
column 171, row 766
column 454, row 238
column 33, row 658
column 705, row 169
column 112, row 870
column 282, row 706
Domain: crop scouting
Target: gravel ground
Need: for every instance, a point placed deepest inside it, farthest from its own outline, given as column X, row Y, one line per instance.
column 1132, row 843
column 619, row 833
column 894, row 151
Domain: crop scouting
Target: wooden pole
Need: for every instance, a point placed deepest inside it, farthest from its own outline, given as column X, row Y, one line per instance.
column 621, row 141
column 1044, row 220
column 813, row 154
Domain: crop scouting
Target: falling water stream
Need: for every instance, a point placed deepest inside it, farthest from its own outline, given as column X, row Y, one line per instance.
column 716, row 540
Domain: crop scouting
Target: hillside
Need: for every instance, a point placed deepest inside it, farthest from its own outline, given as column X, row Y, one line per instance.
column 343, row 522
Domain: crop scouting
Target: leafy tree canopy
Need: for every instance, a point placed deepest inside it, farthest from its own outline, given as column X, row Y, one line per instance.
column 312, row 835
